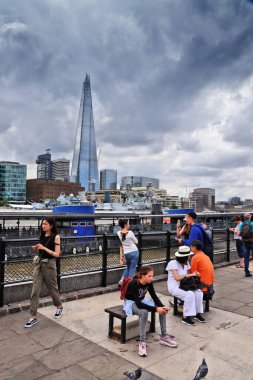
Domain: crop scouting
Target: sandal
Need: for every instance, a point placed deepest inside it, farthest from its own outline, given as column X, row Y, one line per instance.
column 239, row 266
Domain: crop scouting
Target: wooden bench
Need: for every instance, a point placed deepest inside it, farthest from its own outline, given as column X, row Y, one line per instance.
column 118, row 312
column 175, row 305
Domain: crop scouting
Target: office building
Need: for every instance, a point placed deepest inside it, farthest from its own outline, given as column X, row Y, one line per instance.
column 13, row 181
column 235, row 201
column 44, row 166
column 40, row 189
column 135, row 181
column 202, row 198
column 85, row 164
column 60, row 169
column 108, row 179
column 172, row 202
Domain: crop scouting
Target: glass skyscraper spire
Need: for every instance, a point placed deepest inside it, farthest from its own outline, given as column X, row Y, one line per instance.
column 85, row 164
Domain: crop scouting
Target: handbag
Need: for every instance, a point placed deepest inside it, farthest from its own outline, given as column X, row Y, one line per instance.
column 191, row 283
column 36, row 260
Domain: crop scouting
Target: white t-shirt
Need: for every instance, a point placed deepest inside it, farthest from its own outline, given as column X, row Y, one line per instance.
column 182, row 271
column 237, row 237
column 129, row 244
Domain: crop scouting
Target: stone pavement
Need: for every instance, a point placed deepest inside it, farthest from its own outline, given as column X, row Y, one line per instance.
column 77, row 347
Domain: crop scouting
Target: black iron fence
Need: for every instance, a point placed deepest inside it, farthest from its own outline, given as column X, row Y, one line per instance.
column 97, row 254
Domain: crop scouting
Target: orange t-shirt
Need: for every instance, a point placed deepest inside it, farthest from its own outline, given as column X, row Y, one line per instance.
column 202, row 264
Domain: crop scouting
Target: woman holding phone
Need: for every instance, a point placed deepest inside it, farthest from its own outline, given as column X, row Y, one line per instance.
column 45, row 269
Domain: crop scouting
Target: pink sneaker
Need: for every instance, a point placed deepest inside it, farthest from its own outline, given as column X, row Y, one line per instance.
column 143, row 349
column 168, row 341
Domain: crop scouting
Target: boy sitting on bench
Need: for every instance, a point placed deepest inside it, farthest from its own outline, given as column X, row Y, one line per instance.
column 202, row 264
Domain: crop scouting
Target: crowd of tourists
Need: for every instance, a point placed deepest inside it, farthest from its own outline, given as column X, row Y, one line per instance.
column 190, row 273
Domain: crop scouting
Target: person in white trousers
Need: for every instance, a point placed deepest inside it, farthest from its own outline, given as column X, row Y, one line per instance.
column 193, row 300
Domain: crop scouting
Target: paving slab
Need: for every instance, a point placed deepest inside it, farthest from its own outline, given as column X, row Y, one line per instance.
column 18, row 347
column 226, row 304
column 21, row 367
column 73, row 372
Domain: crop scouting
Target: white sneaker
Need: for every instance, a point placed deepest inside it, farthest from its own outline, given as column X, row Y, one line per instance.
column 31, row 323
column 58, row 313
column 143, row 349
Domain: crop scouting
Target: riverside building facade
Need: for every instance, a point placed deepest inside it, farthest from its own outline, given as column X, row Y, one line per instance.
column 44, row 166
column 60, row 169
column 13, row 181
column 108, row 179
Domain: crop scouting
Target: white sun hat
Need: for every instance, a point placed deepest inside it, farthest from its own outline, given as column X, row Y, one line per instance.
column 183, row 251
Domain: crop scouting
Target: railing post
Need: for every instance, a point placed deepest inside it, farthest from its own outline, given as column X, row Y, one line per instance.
column 140, row 249
column 2, row 269
column 104, row 260
column 58, row 272
column 228, row 245
column 167, row 247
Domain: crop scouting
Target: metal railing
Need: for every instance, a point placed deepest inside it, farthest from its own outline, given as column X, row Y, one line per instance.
column 96, row 254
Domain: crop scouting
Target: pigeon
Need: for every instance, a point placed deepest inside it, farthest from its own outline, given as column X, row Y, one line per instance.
column 202, row 371
column 134, row 375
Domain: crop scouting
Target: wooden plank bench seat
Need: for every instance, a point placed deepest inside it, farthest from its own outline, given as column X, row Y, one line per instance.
column 117, row 312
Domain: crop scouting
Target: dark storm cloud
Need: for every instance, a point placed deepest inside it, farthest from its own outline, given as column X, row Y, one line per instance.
column 169, row 79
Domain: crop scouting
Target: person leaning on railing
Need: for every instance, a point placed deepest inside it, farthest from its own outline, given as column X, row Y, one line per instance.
column 129, row 253
column 45, row 269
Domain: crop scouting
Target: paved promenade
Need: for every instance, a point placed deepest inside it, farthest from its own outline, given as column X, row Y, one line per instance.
column 77, row 346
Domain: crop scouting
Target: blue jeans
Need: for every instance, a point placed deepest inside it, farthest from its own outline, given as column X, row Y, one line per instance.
column 131, row 262
column 240, row 248
column 248, row 247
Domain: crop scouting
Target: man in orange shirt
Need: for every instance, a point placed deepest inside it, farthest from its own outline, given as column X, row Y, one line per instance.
column 201, row 263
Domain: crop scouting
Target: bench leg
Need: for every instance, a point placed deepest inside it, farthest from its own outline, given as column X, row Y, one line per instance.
column 207, row 306
column 152, row 323
column 175, row 306
column 110, row 325
column 123, row 331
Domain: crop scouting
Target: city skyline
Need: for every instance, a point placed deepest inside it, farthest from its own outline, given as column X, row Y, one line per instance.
column 172, row 87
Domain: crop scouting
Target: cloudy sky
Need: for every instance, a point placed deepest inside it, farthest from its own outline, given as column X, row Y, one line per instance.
column 172, row 86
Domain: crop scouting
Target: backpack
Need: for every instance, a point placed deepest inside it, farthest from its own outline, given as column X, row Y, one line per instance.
column 207, row 243
column 246, row 231
column 124, row 286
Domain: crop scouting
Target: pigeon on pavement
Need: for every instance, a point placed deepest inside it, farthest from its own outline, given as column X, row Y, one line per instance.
column 202, row 371
column 133, row 375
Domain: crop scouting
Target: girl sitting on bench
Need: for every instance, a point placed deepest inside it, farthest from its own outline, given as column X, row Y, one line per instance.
column 193, row 300
column 136, row 304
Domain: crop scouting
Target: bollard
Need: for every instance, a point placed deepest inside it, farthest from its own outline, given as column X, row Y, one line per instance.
column 140, row 249
column 104, row 260
column 168, row 247
column 2, row 269
column 228, row 245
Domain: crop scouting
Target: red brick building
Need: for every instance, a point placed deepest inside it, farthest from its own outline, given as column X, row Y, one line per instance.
column 42, row 189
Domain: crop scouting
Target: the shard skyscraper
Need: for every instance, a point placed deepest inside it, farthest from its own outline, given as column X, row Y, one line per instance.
column 85, row 164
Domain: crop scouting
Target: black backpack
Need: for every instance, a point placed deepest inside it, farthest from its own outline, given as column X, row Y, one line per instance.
column 207, row 243
column 246, row 231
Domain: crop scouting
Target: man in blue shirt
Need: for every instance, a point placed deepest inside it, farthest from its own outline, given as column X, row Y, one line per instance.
column 248, row 243
column 196, row 232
